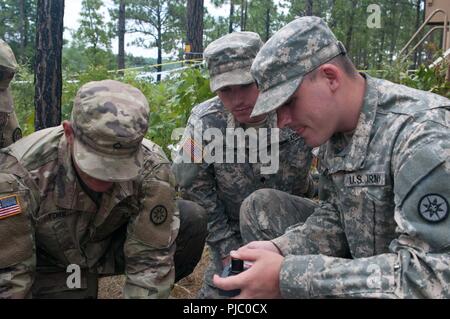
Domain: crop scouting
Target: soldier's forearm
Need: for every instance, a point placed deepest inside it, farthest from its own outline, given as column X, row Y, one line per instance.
column 319, row 276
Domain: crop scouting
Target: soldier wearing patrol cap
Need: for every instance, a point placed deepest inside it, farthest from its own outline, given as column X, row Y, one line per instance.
column 381, row 229
column 221, row 187
column 93, row 193
column 10, row 131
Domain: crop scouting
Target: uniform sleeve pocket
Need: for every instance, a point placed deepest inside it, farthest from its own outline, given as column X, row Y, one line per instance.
column 422, row 198
column 414, row 170
column 156, row 223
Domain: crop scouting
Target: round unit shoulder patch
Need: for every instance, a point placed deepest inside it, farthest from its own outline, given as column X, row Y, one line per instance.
column 433, row 208
column 158, row 215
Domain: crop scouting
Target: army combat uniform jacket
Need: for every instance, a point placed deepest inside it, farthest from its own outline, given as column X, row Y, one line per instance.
column 49, row 222
column 382, row 228
column 221, row 187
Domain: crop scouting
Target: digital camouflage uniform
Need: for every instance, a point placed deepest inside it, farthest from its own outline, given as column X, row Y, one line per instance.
column 54, row 220
column 381, row 229
column 221, row 187
column 10, row 131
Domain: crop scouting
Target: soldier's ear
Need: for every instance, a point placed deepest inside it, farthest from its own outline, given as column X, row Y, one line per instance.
column 332, row 75
column 68, row 132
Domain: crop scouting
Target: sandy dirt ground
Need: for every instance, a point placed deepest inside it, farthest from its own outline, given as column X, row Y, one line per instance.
column 187, row 288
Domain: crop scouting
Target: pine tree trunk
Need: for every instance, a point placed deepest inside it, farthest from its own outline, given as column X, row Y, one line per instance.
column 245, row 15
column 121, row 29
column 22, row 22
column 309, row 8
column 244, row 10
column 348, row 38
column 380, row 51
column 194, row 29
column 333, row 21
column 230, row 25
column 394, row 32
column 418, row 16
column 159, row 44
column 159, row 61
column 267, row 23
column 242, row 14
column 48, row 77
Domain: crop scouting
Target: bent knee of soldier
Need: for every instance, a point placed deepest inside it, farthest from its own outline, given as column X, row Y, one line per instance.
column 256, row 204
column 192, row 215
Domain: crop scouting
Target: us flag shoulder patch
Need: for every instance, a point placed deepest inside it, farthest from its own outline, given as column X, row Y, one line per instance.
column 9, row 206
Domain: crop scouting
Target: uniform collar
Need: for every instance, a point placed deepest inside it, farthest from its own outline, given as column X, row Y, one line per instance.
column 354, row 156
column 70, row 195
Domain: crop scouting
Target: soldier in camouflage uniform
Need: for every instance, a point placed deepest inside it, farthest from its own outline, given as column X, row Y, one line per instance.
column 95, row 194
column 381, row 229
column 221, row 187
column 10, row 131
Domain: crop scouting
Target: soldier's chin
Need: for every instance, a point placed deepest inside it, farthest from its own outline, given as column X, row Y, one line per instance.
column 244, row 116
column 101, row 188
column 97, row 185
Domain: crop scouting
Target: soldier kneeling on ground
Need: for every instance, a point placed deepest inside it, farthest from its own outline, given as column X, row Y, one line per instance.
column 94, row 194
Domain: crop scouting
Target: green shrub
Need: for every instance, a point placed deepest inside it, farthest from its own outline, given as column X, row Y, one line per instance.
column 432, row 80
column 184, row 91
column 172, row 99
column 424, row 78
column 22, row 89
column 75, row 81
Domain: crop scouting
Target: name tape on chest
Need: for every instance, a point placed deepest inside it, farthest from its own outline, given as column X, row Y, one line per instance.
column 9, row 206
column 365, row 179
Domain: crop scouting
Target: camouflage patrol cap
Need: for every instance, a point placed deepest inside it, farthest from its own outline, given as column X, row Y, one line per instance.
column 7, row 58
column 109, row 119
column 8, row 66
column 229, row 59
column 292, row 52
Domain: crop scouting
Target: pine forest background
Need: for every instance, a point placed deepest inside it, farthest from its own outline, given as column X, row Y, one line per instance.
column 165, row 27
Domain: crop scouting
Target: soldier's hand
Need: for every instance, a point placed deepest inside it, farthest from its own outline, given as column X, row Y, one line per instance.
column 261, row 280
column 265, row 245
